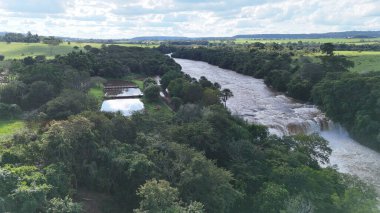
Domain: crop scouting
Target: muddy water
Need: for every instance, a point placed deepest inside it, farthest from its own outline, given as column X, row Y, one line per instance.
column 255, row 102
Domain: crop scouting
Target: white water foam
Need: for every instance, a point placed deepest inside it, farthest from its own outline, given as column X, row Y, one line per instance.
column 257, row 103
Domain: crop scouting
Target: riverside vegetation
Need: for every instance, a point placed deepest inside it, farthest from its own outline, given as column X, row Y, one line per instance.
column 352, row 99
column 197, row 158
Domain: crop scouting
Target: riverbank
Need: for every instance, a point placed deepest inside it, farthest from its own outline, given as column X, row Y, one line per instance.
column 348, row 98
column 255, row 102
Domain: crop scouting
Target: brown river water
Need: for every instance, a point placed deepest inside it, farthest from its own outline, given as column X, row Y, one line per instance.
column 257, row 103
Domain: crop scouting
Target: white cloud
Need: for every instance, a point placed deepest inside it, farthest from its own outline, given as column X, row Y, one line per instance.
column 153, row 4
column 129, row 18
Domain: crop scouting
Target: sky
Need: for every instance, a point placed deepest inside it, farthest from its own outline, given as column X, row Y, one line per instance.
column 112, row 19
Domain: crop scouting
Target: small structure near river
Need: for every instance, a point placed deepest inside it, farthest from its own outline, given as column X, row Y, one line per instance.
column 122, row 96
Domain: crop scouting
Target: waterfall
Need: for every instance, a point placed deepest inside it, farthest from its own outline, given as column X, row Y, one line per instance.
column 256, row 103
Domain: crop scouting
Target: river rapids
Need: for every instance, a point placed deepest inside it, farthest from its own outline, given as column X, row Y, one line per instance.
column 257, row 103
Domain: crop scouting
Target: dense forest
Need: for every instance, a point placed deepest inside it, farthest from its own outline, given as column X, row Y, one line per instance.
column 199, row 158
column 350, row 99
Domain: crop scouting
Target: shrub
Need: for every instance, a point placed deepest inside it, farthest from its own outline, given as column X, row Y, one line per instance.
column 152, row 93
column 9, row 111
column 148, row 82
column 176, row 103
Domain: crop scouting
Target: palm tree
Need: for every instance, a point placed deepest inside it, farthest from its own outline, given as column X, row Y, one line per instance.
column 225, row 95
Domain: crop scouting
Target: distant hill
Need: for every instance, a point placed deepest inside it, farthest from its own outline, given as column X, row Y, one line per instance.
column 176, row 38
column 160, row 38
column 348, row 34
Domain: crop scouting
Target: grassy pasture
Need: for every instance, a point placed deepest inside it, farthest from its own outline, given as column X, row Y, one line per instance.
column 20, row 50
column 9, row 127
column 159, row 106
column 365, row 61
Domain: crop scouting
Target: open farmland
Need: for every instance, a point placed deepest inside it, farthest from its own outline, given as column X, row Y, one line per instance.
column 365, row 61
column 21, row 50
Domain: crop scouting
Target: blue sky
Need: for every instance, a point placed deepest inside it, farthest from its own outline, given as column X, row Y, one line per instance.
column 195, row 18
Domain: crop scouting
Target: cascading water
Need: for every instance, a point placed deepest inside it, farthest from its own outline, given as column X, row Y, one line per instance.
column 255, row 102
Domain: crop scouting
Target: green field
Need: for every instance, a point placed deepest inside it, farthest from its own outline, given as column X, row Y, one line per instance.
column 159, row 106
column 20, row 50
column 365, row 61
column 9, row 127
column 97, row 92
column 356, row 41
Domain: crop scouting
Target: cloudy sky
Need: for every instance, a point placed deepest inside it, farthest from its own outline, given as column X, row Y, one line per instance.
column 195, row 18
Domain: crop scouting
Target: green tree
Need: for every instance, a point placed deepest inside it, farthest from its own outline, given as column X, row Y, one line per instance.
column 336, row 64
column 203, row 181
column 210, row 97
column 52, row 42
column 312, row 72
column 22, row 189
column 358, row 197
column 160, row 197
column 225, row 95
column 192, row 92
column 176, row 103
column 123, row 129
column 176, row 87
column 148, row 82
column 58, row 176
column 9, row 111
column 278, row 79
column 205, row 83
column 39, row 93
column 272, row 198
column 66, row 205
column 13, row 92
column 168, row 77
column 70, row 102
column 72, row 143
column 300, row 89
column 328, row 48
column 152, row 93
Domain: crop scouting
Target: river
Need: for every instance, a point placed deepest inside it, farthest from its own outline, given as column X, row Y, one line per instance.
column 257, row 103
